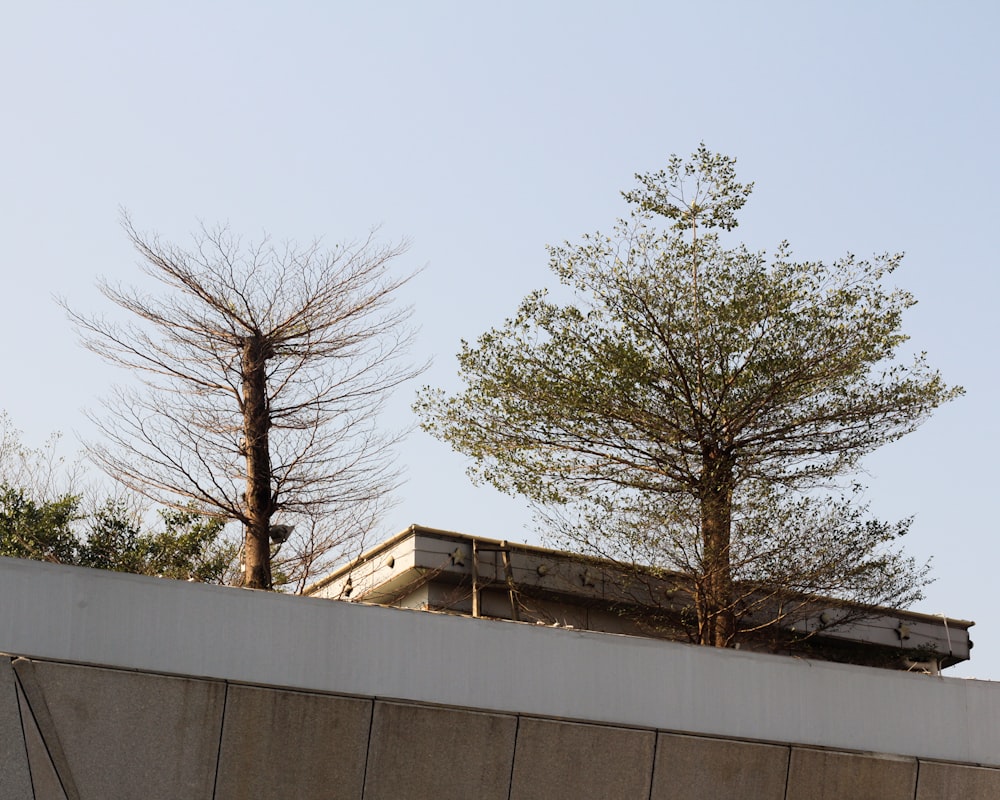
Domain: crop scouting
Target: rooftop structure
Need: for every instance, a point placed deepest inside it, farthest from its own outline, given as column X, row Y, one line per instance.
column 436, row 570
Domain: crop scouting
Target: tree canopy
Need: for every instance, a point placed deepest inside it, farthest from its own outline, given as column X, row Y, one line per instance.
column 188, row 546
column 37, row 529
column 688, row 390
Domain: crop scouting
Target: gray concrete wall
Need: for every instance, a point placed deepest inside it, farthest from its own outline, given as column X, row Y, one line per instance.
column 120, row 686
column 72, row 732
column 15, row 779
column 93, row 617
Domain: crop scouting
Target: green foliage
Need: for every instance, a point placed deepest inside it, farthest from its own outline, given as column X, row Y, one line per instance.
column 690, row 382
column 38, row 530
column 113, row 540
column 787, row 367
column 786, row 551
column 191, row 546
column 188, row 546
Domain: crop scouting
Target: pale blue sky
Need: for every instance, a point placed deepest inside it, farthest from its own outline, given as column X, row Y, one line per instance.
column 484, row 134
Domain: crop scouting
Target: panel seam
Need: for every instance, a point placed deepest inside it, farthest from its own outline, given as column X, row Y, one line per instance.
column 368, row 748
column 222, row 732
column 652, row 771
column 513, row 756
column 788, row 772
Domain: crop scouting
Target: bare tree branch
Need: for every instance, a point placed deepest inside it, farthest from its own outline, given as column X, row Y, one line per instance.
column 264, row 370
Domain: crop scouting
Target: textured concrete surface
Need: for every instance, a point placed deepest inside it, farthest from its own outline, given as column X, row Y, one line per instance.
column 15, row 779
column 421, row 752
column 135, row 622
column 957, row 782
column 44, row 779
column 568, row 761
column 827, row 775
column 698, row 768
column 479, row 709
column 292, row 744
column 107, row 734
column 160, row 734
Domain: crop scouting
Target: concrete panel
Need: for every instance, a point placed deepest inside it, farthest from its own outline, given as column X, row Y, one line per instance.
column 567, row 761
column 956, row 782
column 422, row 753
column 124, row 734
column 44, row 779
column 827, row 775
column 15, row 778
column 696, row 768
column 291, row 744
column 136, row 622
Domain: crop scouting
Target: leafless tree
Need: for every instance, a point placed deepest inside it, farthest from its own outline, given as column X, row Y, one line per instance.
column 263, row 368
column 43, row 471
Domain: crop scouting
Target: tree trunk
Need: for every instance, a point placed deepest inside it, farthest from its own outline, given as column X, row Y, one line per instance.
column 716, row 620
column 259, row 503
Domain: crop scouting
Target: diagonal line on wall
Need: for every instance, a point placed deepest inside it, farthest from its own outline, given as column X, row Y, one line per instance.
column 24, row 670
column 222, row 733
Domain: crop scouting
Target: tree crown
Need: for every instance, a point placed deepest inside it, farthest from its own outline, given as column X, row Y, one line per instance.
column 789, row 369
column 665, row 413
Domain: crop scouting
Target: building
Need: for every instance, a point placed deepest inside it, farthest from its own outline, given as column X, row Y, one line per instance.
column 434, row 570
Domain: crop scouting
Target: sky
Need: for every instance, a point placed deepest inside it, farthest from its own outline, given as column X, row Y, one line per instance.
column 482, row 133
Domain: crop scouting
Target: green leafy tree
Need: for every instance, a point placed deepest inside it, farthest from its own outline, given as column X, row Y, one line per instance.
column 190, row 546
column 684, row 407
column 38, row 513
column 40, row 521
column 40, row 530
column 113, row 540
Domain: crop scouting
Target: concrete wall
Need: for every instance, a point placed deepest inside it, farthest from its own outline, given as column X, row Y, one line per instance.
column 73, row 732
column 136, row 687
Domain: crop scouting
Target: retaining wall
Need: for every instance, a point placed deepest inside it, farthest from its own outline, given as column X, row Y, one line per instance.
column 126, row 687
